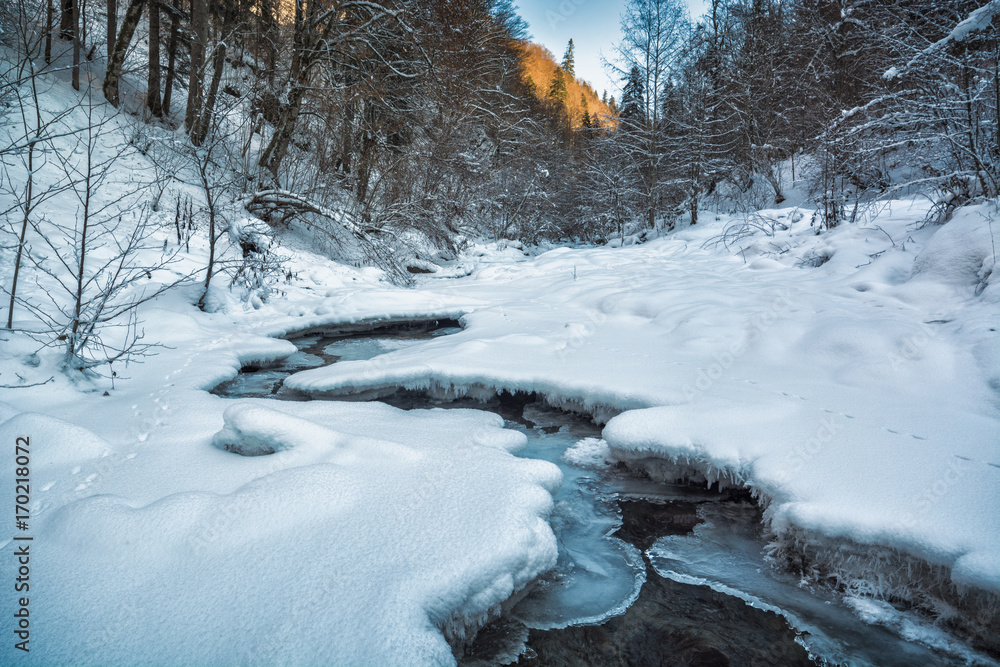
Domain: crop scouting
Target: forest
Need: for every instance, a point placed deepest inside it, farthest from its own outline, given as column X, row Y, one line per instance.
column 430, row 122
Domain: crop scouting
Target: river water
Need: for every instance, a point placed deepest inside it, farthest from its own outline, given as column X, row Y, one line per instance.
column 648, row 574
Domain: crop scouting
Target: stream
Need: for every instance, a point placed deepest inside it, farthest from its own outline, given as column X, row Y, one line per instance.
column 647, row 573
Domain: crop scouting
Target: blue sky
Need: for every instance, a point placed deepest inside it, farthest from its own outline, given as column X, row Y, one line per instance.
column 592, row 24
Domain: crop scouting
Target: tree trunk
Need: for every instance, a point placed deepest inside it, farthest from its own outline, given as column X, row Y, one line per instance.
column 269, row 36
column 367, row 158
column 153, row 81
column 218, row 64
column 76, row 45
column 694, row 205
column 298, row 78
column 49, row 19
column 347, row 140
column 66, row 25
column 278, row 146
column 168, row 87
column 112, row 27
column 199, row 24
column 112, row 76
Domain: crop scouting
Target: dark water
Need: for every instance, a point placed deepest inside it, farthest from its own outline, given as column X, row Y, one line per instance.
column 323, row 347
column 648, row 574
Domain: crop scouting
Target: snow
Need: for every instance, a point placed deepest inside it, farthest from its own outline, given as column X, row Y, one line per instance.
column 588, row 453
column 850, row 380
column 332, row 524
column 978, row 20
column 856, row 396
column 960, row 254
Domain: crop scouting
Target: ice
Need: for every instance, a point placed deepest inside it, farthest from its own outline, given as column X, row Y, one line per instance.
column 728, row 553
column 596, row 576
column 359, row 349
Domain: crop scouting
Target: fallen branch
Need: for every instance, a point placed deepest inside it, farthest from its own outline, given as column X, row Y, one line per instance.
column 265, row 203
column 25, row 386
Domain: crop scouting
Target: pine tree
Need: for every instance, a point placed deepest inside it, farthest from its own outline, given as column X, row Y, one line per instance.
column 569, row 62
column 558, row 94
column 587, row 122
column 633, row 105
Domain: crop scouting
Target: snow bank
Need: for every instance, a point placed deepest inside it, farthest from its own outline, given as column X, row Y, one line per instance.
column 254, row 431
column 961, row 253
column 588, row 453
column 52, row 441
column 375, row 526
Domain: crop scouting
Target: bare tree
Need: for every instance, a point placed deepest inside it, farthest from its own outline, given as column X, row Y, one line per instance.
column 26, row 150
column 653, row 35
column 112, row 27
column 114, row 70
column 168, row 86
column 88, row 265
column 153, row 79
column 199, row 43
column 937, row 103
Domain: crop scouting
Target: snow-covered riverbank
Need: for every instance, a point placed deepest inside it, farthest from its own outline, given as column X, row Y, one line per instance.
column 850, row 380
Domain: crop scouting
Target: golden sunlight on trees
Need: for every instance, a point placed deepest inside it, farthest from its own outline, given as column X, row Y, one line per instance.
column 539, row 71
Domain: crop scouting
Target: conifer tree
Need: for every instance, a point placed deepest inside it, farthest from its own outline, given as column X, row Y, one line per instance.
column 558, row 93
column 569, row 62
column 633, row 105
column 587, row 121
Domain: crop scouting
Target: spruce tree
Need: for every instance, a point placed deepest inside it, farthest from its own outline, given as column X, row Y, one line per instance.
column 587, row 122
column 558, row 93
column 569, row 62
column 633, row 104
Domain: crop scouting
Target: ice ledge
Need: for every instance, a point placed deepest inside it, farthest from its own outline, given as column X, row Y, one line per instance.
column 956, row 595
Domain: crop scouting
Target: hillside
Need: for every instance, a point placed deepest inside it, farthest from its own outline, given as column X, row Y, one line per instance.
column 539, row 67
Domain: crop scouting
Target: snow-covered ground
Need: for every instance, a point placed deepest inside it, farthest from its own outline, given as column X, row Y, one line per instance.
column 857, row 398
column 850, row 379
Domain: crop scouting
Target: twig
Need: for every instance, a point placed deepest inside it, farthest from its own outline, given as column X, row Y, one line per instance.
column 25, row 386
